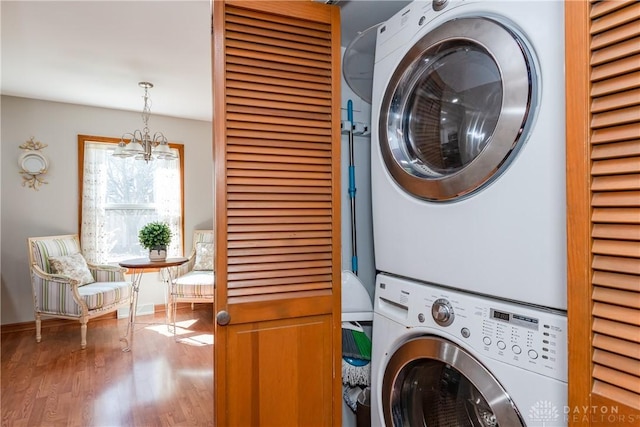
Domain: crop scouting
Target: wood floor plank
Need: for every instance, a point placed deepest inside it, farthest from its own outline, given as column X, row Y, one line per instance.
column 159, row 383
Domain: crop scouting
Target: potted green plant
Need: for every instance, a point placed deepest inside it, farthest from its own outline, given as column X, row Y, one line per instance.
column 155, row 236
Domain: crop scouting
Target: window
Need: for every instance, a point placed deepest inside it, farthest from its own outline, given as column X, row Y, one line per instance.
column 120, row 195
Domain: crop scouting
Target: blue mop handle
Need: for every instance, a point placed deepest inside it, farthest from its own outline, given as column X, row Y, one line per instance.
column 352, row 189
column 352, row 168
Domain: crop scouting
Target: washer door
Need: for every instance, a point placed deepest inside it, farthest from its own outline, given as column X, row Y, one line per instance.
column 430, row 381
column 456, row 108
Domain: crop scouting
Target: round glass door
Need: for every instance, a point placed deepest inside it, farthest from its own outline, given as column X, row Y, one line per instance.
column 432, row 382
column 456, row 109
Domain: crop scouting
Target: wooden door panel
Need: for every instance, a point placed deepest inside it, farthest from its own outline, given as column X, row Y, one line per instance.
column 286, row 395
column 276, row 79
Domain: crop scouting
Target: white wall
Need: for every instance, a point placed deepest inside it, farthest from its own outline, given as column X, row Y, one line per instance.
column 362, row 162
column 53, row 209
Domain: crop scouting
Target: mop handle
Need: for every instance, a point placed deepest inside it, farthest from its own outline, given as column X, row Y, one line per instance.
column 352, row 190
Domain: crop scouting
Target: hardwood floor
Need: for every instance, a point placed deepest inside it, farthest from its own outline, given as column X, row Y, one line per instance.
column 159, row 383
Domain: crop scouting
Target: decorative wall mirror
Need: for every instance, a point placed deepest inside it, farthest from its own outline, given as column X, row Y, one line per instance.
column 33, row 164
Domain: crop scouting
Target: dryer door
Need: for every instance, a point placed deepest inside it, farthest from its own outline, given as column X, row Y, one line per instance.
column 457, row 108
column 430, row 381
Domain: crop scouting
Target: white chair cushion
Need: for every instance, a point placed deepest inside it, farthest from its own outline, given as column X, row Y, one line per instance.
column 195, row 284
column 103, row 294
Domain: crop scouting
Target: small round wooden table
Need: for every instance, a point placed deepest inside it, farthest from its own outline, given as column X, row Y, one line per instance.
column 138, row 266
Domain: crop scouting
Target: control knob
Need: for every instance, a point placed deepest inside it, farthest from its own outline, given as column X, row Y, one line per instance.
column 439, row 4
column 442, row 312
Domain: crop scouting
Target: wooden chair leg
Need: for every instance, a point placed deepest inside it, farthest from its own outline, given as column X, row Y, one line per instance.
column 83, row 333
column 38, row 327
column 169, row 309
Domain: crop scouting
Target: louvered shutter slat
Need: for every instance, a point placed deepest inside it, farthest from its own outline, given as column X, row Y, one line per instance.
column 602, row 8
column 616, row 264
column 616, row 133
column 616, row 182
column 616, row 231
column 624, row 364
column 618, row 149
column 618, row 329
column 622, row 314
column 618, row 100
column 627, row 282
column 620, row 165
column 617, row 346
column 616, row 394
column 624, row 82
column 616, row 51
column 613, row 15
column 619, row 297
column 615, row 68
column 616, row 247
column 619, row 215
column 618, row 198
column 614, row 118
column 620, row 379
column 615, row 35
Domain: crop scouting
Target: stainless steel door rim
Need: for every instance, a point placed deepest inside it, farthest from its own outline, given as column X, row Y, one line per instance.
column 455, row 110
column 404, row 396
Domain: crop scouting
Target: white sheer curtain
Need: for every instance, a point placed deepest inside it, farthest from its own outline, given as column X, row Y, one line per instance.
column 168, row 202
column 94, row 235
column 119, row 196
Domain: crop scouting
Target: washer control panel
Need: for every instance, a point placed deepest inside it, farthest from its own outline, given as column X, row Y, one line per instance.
column 528, row 337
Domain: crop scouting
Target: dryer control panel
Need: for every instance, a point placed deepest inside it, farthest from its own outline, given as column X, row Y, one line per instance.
column 528, row 337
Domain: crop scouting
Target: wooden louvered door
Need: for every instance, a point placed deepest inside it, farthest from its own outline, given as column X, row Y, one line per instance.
column 276, row 122
column 603, row 178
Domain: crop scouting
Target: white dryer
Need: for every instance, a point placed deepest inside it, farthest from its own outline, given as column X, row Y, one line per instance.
column 447, row 358
column 468, row 156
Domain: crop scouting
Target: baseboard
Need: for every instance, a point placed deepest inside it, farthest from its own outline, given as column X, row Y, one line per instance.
column 141, row 310
column 53, row 322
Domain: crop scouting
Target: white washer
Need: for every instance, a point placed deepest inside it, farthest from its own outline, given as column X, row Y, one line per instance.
column 468, row 158
column 449, row 358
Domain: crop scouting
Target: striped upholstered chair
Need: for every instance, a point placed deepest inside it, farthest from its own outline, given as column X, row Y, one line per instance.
column 194, row 280
column 66, row 286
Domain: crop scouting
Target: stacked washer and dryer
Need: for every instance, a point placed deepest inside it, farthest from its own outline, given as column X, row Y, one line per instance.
column 468, row 197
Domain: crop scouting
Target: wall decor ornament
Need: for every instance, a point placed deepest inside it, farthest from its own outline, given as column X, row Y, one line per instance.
column 33, row 164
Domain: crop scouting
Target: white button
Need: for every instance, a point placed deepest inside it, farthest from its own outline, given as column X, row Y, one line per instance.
column 516, row 349
column 533, row 354
column 487, row 340
column 501, row 345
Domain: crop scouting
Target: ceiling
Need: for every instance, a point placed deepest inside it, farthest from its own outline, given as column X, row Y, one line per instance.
column 95, row 52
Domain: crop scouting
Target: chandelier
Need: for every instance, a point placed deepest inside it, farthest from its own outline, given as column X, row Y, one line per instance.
column 139, row 143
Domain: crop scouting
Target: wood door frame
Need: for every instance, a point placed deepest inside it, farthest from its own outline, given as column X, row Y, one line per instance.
column 578, row 202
